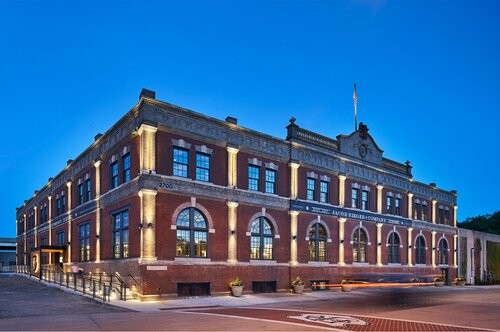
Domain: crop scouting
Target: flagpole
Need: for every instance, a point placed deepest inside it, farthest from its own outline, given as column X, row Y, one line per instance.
column 355, row 100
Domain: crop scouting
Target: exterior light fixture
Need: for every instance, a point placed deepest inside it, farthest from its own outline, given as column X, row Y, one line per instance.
column 150, row 225
column 294, row 237
column 139, row 226
column 232, row 232
column 97, row 236
column 341, row 241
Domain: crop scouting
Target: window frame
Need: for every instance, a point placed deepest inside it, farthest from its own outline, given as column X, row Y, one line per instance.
column 113, row 171
column 311, row 189
column 120, row 250
column 394, row 248
column 270, row 177
column 360, row 247
column 193, row 232
column 262, row 239
column 203, row 167
column 84, row 241
column 126, row 164
column 180, row 162
column 88, row 190
column 253, row 177
column 443, row 252
column 317, row 250
column 420, row 252
column 324, row 191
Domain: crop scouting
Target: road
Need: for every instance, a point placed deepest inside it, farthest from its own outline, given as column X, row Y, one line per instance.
column 29, row 305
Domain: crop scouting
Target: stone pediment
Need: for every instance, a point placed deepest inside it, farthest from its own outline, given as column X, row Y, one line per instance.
column 360, row 145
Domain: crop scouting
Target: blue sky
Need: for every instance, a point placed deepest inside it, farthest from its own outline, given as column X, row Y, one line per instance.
column 427, row 75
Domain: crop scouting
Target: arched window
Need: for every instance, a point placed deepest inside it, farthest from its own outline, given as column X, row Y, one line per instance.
column 420, row 250
column 359, row 242
column 393, row 247
column 261, row 240
column 192, row 234
column 317, row 242
column 443, row 252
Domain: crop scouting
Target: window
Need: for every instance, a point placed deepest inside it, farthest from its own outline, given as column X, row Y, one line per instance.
column 317, row 243
column 270, row 181
column 84, row 242
column 394, row 250
column 441, row 215
column 87, row 190
column 389, row 206
column 181, row 159
column 311, row 185
column 365, row 200
column 202, row 167
column 126, row 167
column 80, row 194
column 354, row 197
column 420, row 250
column 397, row 206
column 443, row 252
column 253, row 177
column 192, row 234
column 261, row 240
column 359, row 243
column 419, row 211
column 114, row 175
column 446, row 217
column 423, row 212
column 323, row 192
column 58, row 206
column 120, row 234
column 60, row 238
column 63, row 204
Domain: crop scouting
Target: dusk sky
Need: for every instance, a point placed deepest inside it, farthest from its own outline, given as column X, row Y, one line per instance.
column 427, row 74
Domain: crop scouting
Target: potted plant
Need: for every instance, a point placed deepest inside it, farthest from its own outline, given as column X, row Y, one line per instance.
column 346, row 285
column 298, row 285
column 439, row 282
column 459, row 281
column 236, row 287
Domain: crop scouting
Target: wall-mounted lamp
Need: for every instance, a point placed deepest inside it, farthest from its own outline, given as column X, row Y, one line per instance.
column 69, row 243
column 139, row 226
column 379, row 244
column 410, row 246
column 434, row 248
column 97, row 236
column 294, row 237
column 233, row 231
column 341, row 241
column 456, row 250
column 150, row 225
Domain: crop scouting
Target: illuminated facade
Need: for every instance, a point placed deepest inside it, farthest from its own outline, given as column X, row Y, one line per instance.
column 183, row 203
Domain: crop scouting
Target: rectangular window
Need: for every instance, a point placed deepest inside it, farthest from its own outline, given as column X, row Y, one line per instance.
column 397, row 206
column 63, row 204
column 87, row 190
column 253, row 177
column 202, row 167
column 416, row 210
column 423, row 212
column 60, row 238
column 323, row 192
column 80, row 194
column 441, row 215
column 84, row 242
column 58, row 206
column 311, row 186
column 365, row 200
column 181, row 160
column 354, row 198
column 446, row 217
column 389, row 208
column 120, row 235
column 114, row 175
column 41, row 215
column 126, row 167
column 270, row 181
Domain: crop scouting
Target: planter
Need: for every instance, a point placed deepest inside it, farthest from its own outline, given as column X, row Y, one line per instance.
column 346, row 287
column 298, row 289
column 236, row 290
column 460, row 283
column 439, row 283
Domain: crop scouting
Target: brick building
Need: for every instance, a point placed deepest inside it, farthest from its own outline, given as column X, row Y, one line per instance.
column 183, row 203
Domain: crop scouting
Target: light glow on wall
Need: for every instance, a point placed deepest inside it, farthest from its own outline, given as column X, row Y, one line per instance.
column 232, row 167
column 342, row 190
column 294, row 180
column 148, row 148
column 293, row 233
column 232, row 236
column 341, row 239
column 148, row 214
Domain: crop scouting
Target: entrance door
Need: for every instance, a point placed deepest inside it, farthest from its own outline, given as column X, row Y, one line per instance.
column 445, row 272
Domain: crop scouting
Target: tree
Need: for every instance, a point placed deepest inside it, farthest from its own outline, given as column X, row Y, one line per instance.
column 489, row 223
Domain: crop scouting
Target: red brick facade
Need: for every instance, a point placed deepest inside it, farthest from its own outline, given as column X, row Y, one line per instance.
column 142, row 185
